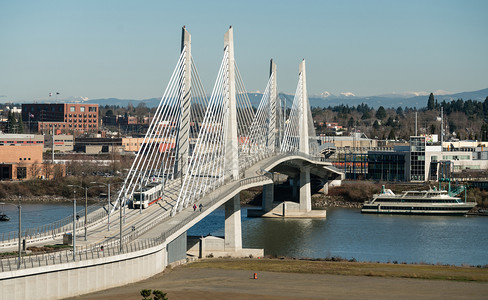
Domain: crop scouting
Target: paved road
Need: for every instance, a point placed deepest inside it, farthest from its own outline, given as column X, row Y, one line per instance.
column 194, row 283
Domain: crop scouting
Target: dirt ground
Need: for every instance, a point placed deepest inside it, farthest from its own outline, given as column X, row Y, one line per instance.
column 192, row 283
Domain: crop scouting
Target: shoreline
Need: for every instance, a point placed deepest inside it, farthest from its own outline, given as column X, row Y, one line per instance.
column 319, row 202
column 49, row 199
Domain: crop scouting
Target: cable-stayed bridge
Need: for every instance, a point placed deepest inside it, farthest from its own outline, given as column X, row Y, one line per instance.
column 197, row 155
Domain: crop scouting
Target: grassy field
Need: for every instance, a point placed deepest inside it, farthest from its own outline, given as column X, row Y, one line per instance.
column 437, row 272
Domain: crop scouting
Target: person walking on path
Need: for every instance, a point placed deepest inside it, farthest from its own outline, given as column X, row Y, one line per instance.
column 194, row 207
column 200, row 206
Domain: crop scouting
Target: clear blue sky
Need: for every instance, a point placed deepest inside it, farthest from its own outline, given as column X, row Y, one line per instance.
column 128, row 49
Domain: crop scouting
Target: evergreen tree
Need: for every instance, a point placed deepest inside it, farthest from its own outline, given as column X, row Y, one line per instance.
column 350, row 123
column 11, row 123
column 431, row 102
column 376, row 125
column 381, row 113
column 145, row 293
column 399, row 111
column 432, row 128
column 485, row 106
column 21, row 125
column 391, row 136
column 484, row 132
column 390, row 122
column 365, row 116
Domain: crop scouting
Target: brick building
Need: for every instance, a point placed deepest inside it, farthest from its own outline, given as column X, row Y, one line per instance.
column 25, row 162
column 67, row 118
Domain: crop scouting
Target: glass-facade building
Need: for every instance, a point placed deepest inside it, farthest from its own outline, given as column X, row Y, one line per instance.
column 417, row 158
column 386, row 166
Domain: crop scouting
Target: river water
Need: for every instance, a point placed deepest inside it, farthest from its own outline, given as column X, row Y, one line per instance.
column 349, row 234
column 345, row 233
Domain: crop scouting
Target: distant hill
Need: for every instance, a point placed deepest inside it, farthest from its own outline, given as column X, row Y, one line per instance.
column 394, row 101
column 386, row 101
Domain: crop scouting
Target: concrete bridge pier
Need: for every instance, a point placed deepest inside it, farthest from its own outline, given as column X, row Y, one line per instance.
column 305, row 199
column 294, row 187
column 231, row 244
column 233, row 230
column 268, row 197
column 325, row 189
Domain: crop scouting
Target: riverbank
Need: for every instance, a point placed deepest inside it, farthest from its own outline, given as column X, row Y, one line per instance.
column 58, row 190
column 338, row 266
column 302, row 279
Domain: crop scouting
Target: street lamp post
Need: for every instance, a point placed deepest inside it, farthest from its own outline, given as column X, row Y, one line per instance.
column 140, row 196
column 122, row 202
column 86, row 209
column 120, row 223
column 108, row 204
column 74, row 225
column 20, row 230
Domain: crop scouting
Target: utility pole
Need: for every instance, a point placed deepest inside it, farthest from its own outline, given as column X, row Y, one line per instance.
column 140, row 197
column 120, row 224
column 415, row 123
column 53, row 145
column 442, row 125
column 20, row 230
column 86, row 208
column 108, row 208
column 74, row 225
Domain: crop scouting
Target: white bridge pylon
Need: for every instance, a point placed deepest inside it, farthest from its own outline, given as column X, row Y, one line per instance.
column 299, row 136
column 164, row 150
column 194, row 145
column 231, row 134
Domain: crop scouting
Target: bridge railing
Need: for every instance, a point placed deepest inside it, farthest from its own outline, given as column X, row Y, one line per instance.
column 88, row 253
column 250, row 160
column 129, row 242
column 214, row 199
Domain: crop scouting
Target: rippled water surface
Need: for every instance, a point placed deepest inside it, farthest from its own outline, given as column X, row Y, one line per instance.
column 37, row 214
column 366, row 237
column 345, row 232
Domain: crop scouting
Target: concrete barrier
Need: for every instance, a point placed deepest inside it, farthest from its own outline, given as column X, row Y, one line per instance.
column 76, row 278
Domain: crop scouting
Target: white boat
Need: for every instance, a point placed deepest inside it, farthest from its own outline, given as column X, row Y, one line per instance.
column 429, row 202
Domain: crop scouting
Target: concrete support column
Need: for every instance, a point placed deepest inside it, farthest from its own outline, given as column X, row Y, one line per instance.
column 233, row 231
column 294, row 187
column 268, row 197
column 200, row 248
column 305, row 191
column 325, row 189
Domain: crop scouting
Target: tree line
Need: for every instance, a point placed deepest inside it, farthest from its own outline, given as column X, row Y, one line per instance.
column 462, row 119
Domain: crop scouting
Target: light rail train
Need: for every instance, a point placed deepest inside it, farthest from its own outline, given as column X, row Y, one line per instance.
column 151, row 193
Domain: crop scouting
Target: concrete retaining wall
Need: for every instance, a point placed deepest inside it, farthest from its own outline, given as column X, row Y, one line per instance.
column 177, row 249
column 76, row 278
